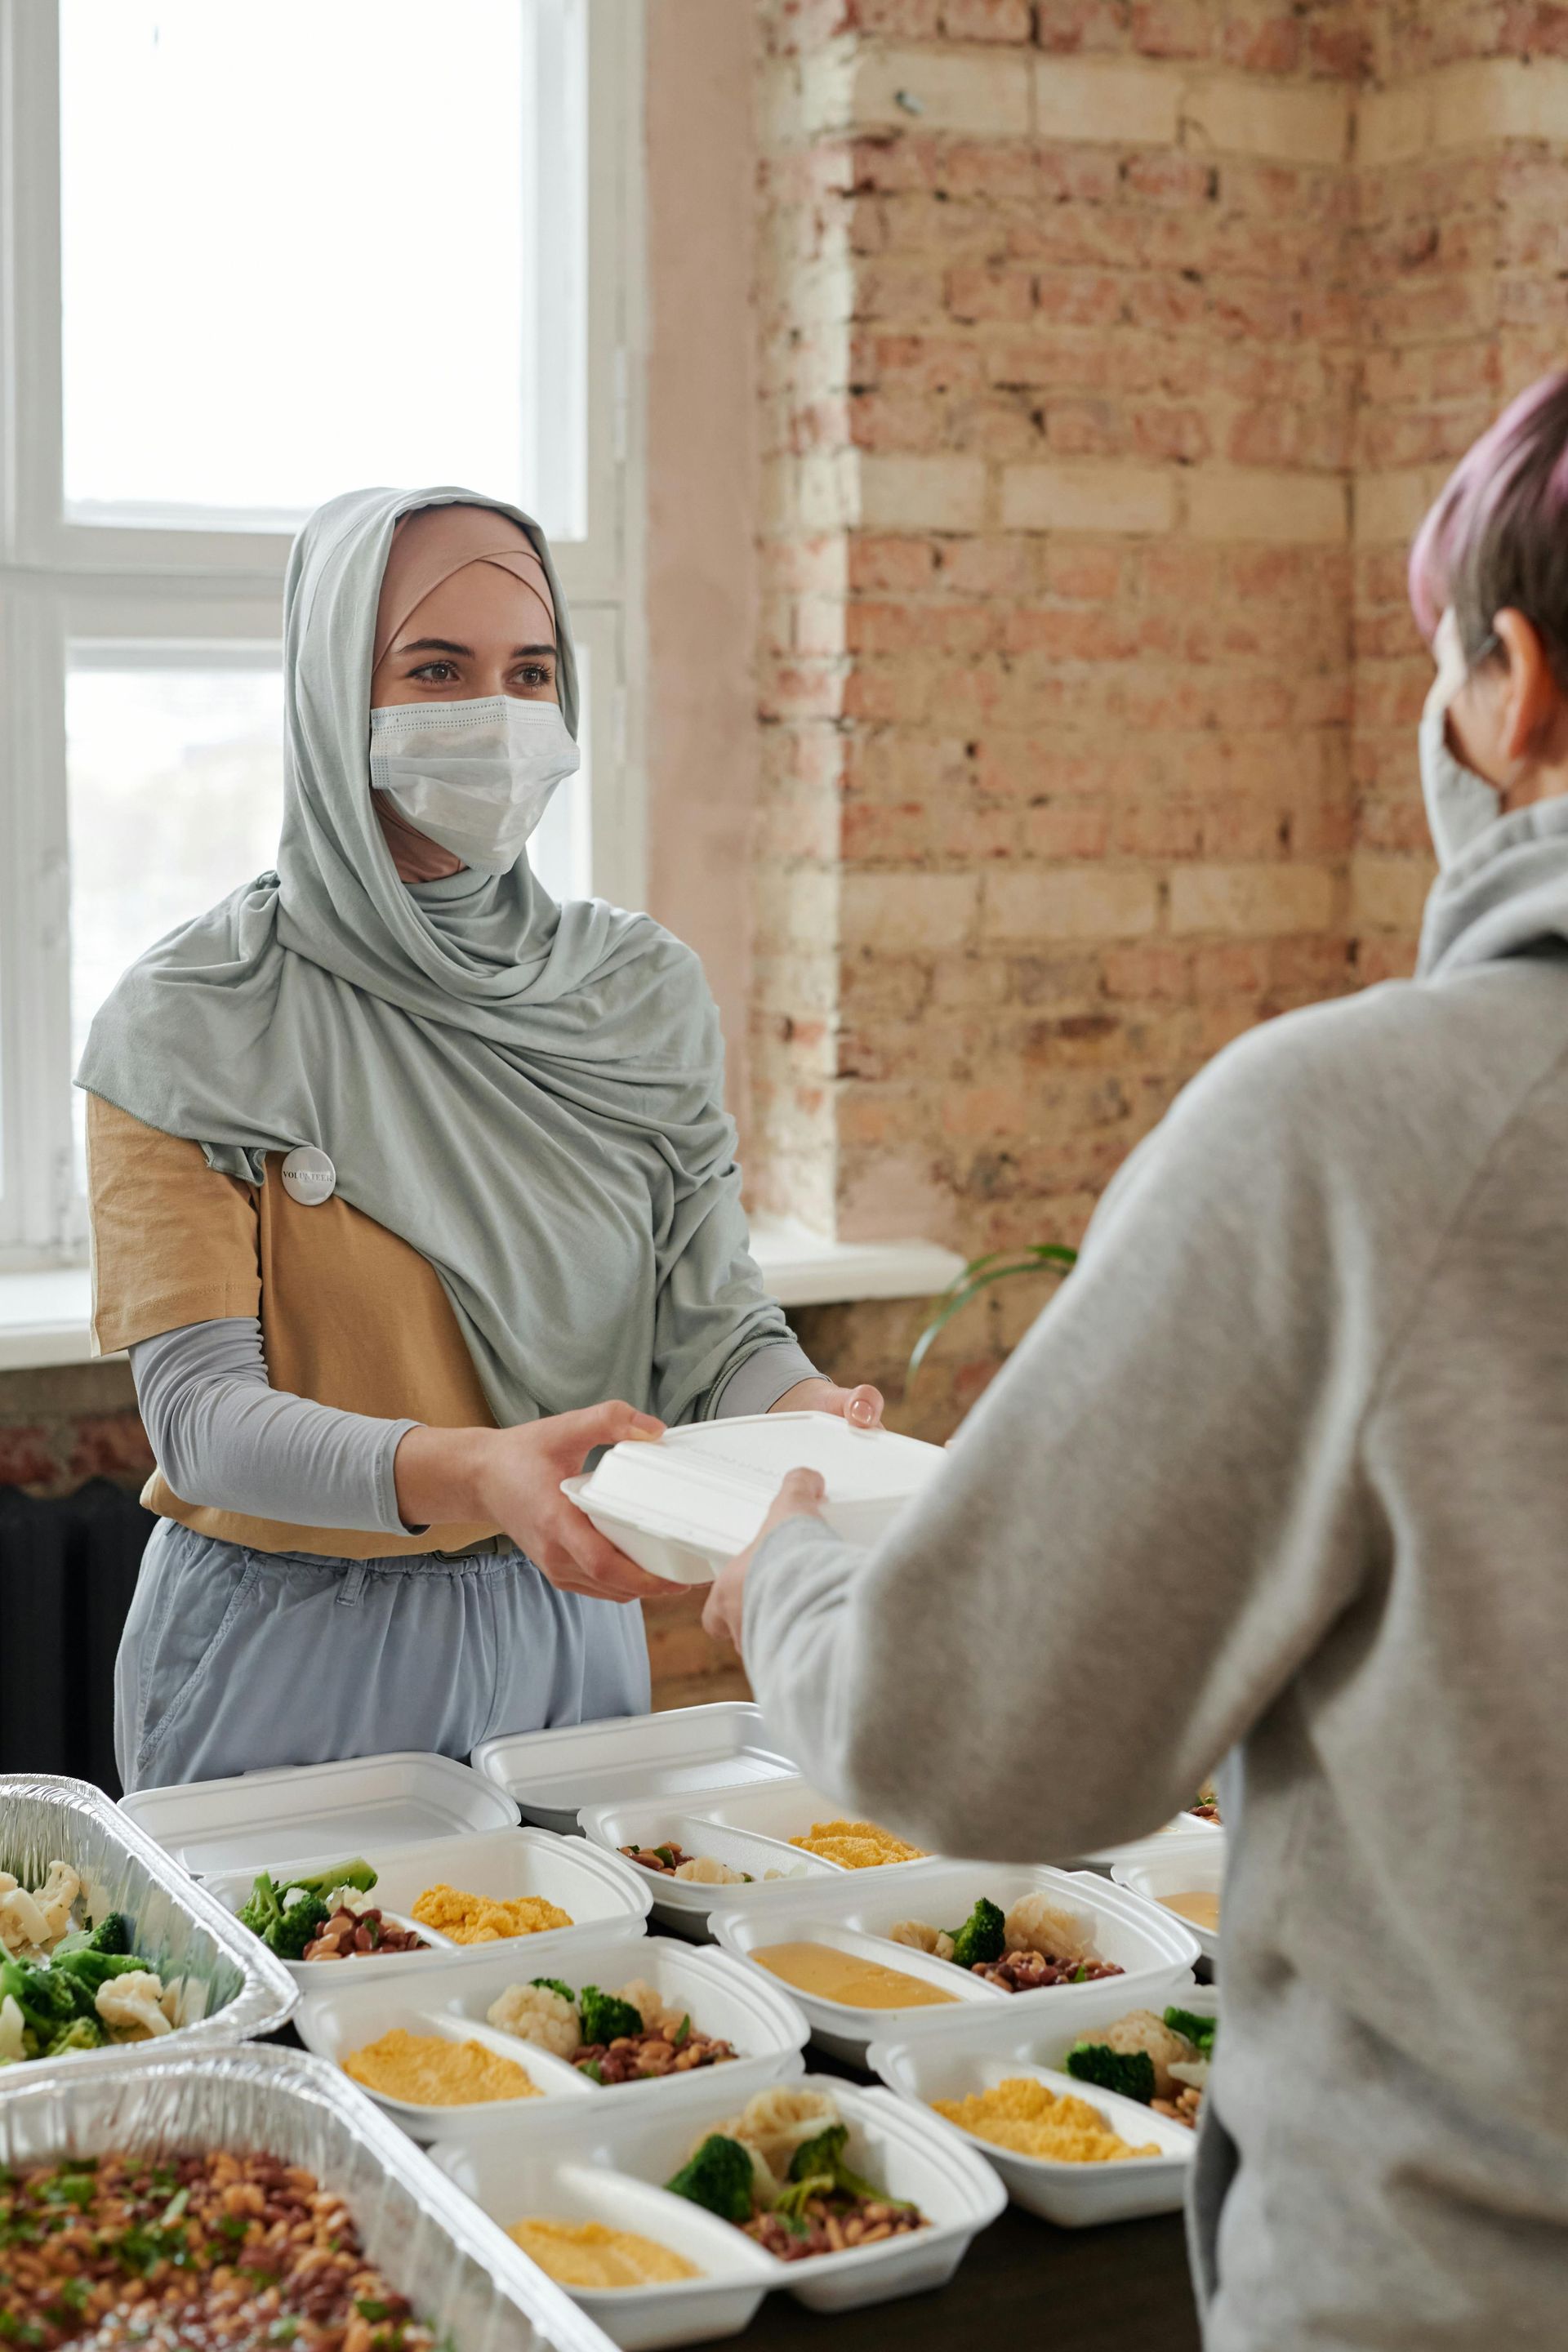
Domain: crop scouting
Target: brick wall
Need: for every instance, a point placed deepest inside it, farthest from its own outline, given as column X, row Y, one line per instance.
column 1462, row 147
column 1058, row 318
column 1110, row 352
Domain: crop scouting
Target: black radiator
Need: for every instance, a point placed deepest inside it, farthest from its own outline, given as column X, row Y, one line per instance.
column 67, row 1568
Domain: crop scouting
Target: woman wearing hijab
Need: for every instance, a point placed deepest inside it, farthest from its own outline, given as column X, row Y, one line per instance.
column 409, row 1188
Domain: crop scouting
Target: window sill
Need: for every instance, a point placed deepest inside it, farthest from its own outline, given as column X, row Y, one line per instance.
column 44, row 1316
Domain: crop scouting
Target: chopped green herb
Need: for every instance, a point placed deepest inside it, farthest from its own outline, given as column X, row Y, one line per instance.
column 368, row 2308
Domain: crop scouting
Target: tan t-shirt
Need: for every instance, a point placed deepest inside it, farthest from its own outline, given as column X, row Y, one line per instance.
column 351, row 1314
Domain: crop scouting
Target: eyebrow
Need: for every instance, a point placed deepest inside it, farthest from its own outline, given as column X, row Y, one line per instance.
column 446, row 645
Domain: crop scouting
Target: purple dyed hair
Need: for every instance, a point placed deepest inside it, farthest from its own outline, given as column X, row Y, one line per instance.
column 1498, row 537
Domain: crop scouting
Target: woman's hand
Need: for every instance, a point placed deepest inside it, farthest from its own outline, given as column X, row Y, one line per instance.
column 801, row 1496
column 861, row 1407
column 512, row 1478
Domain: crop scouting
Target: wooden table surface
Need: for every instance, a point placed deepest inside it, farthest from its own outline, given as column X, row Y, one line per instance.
column 1123, row 2288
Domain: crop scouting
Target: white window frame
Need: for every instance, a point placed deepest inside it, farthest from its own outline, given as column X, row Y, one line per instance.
column 67, row 579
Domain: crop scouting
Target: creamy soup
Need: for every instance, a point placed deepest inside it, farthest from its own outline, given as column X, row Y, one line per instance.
column 1198, row 1904
column 840, row 1976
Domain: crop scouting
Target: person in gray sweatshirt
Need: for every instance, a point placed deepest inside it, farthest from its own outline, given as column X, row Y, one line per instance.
column 1281, row 1477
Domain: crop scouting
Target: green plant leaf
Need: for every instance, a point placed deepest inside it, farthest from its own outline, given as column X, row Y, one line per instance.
column 978, row 1276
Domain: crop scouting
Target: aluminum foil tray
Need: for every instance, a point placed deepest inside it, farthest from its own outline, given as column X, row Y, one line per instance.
column 234, row 1986
column 461, row 2273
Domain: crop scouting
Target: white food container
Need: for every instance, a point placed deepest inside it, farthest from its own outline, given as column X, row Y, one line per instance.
column 721, row 1997
column 1186, row 1826
column 612, row 2154
column 683, row 1904
column 684, row 1505
column 1153, row 1948
column 247, row 1822
column 680, row 1754
column 1187, row 1867
column 604, row 1895
column 979, row 2053
column 749, row 1827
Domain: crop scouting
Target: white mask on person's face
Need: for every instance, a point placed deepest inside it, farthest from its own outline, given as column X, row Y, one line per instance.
column 1460, row 803
column 475, row 777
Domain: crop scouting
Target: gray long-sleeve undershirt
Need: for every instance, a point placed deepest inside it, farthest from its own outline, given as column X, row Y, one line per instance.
column 224, row 1437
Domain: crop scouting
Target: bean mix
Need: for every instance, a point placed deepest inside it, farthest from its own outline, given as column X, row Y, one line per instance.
column 213, row 2253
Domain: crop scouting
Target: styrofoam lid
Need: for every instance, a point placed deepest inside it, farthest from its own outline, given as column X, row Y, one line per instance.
column 716, row 1478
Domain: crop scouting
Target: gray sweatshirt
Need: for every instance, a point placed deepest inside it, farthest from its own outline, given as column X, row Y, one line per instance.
column 1283, row 1471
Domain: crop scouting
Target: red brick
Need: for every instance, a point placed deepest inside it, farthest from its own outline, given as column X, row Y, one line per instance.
column 26, row 1459
column 986, row 20
column 110, row 1445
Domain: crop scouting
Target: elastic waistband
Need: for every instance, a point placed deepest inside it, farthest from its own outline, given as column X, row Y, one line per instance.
column 494, row 1556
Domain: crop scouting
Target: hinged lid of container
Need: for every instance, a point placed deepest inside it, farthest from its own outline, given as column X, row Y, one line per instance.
column 712, row 1482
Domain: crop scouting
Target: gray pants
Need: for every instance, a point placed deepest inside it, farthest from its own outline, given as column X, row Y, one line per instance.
column 233, row 1660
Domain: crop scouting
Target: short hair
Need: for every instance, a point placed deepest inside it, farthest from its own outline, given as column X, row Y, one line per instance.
column 1497, row 536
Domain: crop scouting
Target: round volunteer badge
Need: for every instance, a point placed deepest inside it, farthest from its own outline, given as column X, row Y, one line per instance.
column 308, row 1176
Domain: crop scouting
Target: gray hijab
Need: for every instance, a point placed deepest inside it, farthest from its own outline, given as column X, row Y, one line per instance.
column 530, row 1095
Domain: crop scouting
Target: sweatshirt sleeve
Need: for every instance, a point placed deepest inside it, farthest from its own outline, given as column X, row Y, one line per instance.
column 1144, row 1528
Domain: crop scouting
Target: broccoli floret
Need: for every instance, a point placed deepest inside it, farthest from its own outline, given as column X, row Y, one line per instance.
column 81, row 2033
column 298, row 1924
column 262, row 1909
column 605, row 2017
column 45, row 1998
column 1131, row 2072
column 286, row 1916
column 821, row 2159
column 357, row 1874
column 553, row 1984
column 718, row 2176
column 82, row 1973
column 1198, row 2030
column 112, row 1933
column 982, row 1937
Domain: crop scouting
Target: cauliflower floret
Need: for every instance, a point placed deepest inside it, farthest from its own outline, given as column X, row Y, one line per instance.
column 704, row 1870
column 23, row 1927
column 922, row 1938
column 349, row 1898
column 12, row 2023
column 775, row 2123
column 1037, row 1924
column 1143, row 2029
column 131, row 2005
column 56, row 1899
column 1193, row 2071
column 657, row 2015
column 536, row 2014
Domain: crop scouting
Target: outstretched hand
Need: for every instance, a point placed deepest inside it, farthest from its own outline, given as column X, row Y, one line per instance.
column 522, row 1490
column 802, row 1495
column 510, row 1479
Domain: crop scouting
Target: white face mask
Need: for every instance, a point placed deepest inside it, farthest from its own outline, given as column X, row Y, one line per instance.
column 1460, row 803
column 475, row 776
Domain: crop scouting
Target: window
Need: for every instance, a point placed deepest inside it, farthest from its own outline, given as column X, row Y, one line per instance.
column 252, row 257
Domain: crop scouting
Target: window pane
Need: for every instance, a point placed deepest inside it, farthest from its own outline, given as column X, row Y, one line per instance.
column 174, row 772
column 297, row 255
